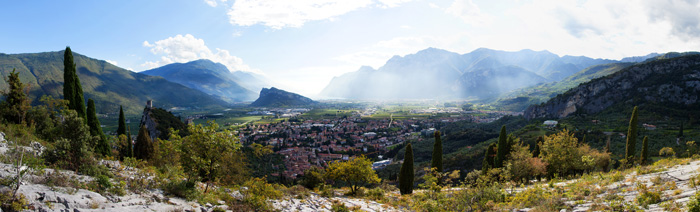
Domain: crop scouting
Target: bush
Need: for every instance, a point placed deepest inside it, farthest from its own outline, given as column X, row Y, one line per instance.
column 647, row 196
column 183, row 188
column 258, row 192
column 694, row 203
column 339, row 207
column 8, row 203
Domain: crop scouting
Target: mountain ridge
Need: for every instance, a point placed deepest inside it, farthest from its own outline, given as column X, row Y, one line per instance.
column 439, row 74
column 109, row 85
column 206, row 76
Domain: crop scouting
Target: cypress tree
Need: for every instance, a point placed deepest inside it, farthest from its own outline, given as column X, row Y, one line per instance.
column 68, row 78
column 645, row 151
column 502, row 150
column 536, row 151
column 72, row 90
column 406, row 174
column 121, row 130
column 631, row 137
column 102, row 146
column 143, row 149
column 680, row 131
column 437, row 152
column 128, row 138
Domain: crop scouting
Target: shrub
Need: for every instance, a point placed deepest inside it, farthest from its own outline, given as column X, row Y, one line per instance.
column 183, row 188
column 337, row 206
column 10, row 203
column 258, row 192
column 647, row 196
column 694, row 203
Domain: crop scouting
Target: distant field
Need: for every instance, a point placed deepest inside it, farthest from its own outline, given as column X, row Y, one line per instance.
column 229, row 120
column 327, row 113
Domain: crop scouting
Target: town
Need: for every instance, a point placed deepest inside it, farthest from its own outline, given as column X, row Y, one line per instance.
column 315, row 142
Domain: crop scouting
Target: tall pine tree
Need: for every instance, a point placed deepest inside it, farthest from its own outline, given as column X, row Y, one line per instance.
column 406, row 174
column 121, row 130
column 502, row 150
column 631, row 137
column 143, row 149
column 437, row 152
column 645, row 151
column 102, row 146
column 72, row 90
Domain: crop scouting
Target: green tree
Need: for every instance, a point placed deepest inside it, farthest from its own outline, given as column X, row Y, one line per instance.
column 436, row 161
column 102, row 146
column 204, row 152
column 124, row 145
column 16, row 104
column 560, row 152
column 72, row 90
column 121, row 130
column 143, row 149
column 536, row 151
column 521, row 165
column 502, row 150
column 72, row 147
column 355, row 172
column 631, row 137
column 645, row 151
column 489, row 158
column 406, row 174
column 312, row 177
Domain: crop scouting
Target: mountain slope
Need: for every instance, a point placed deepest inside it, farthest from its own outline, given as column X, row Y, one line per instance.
column 206, row 76
column 109, row 85
column 670, row 83
column 520, row 99
column 274, row 97
column 435, row 73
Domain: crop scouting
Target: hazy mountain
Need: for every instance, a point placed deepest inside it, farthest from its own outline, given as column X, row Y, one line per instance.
column 109, row 85
column 435, row 73
column 661, row 84
column 206, row 76
column 274, row 97
column 252, row 81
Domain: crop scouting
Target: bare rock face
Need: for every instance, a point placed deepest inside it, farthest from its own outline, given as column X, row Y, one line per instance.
column 148, row 121
column 670, row 81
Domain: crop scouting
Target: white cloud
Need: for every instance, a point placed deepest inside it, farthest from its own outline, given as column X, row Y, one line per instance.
column 279, row 14
column 391, row 3
column 599, row 28
column 112, row 62
column 181, row 49
column 211, row 3
column 468, row 12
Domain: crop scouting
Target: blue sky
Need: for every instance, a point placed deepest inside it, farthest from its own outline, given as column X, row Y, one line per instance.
column 302, row 44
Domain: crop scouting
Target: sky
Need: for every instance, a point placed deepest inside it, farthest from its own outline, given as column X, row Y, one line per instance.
column 302, row 44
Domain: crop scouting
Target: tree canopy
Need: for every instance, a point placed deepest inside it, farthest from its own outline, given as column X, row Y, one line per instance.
column 356, row 172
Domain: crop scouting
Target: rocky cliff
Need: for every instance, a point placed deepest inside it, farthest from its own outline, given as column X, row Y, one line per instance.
column 670, row 82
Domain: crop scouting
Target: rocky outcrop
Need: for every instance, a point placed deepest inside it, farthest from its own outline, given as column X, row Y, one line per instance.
column 669, row 81
column 150, row 123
